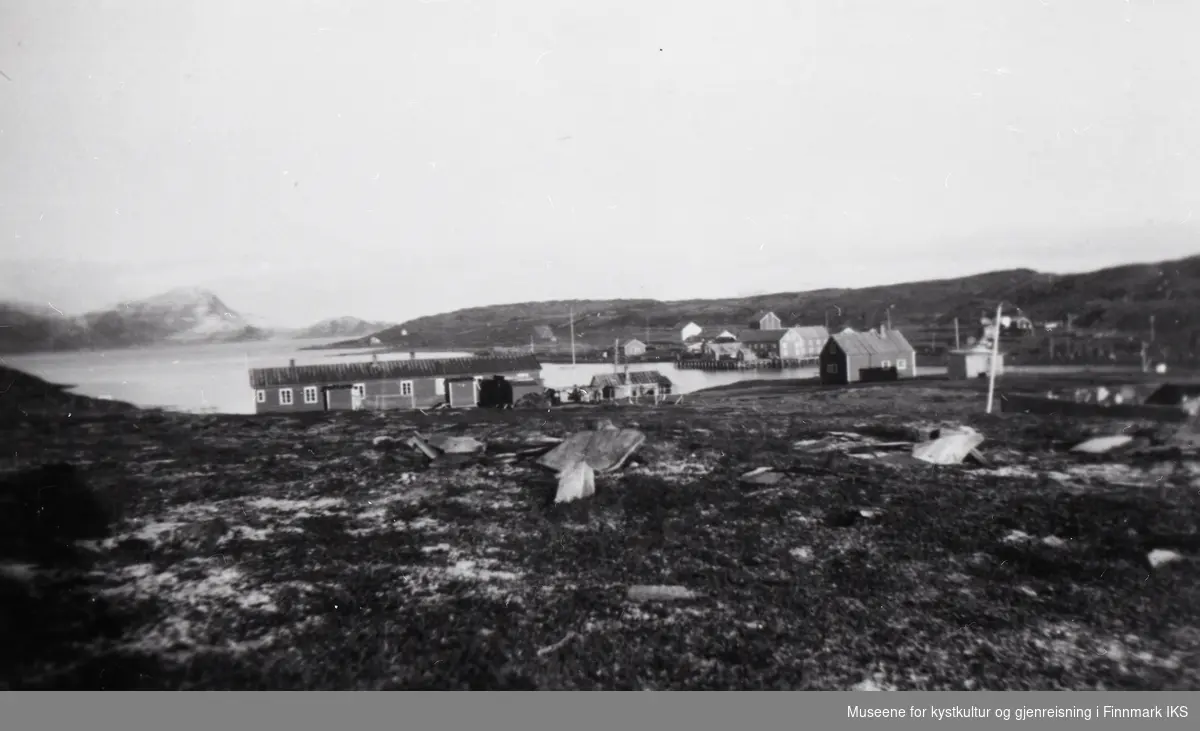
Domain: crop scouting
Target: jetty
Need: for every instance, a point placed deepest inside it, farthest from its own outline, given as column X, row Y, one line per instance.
column 712, row 364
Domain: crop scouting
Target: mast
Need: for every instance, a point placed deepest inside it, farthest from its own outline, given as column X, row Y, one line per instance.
column 572, row 336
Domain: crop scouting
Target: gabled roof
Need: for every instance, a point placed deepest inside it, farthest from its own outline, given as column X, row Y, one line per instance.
column 390, row 369
column 684, row 323
column 817, row 332
column 763, row 313
column 543, row 331
column 630, row 378
column 631, row 341
column 871, row 343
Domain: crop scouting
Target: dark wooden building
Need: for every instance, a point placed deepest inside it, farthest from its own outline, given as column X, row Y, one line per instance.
column 396, row 384
column 850, row 357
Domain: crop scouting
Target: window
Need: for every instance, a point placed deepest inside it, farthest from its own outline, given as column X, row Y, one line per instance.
column 310, row 394
column 901, row 364
column 285, row 396
column 406, row 388
column 359, row 390
column 886, row 364
column 260, row 396
column 831, row 368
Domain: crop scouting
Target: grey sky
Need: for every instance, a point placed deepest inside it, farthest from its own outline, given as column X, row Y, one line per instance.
column 389, row 159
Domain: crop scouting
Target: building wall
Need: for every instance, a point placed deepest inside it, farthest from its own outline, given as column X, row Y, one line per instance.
column 970, row 365
column 382, row 394
column 634, row 348
column 689, row 330
column 848, row 366
column 769, row 321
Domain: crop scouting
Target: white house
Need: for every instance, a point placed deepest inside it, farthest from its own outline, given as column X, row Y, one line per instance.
column 689, row 330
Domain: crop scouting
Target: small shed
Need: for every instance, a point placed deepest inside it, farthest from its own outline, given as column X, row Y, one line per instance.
column 630, row 383
column 633, row 347
column 972, row 362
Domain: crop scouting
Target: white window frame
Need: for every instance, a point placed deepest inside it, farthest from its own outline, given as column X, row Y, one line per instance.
column 311, row 394
column 406, row 388
column 831, row 368
column 885, row 364
column 260, row 396
column 286, row 397
column 901, row 363
column 359, row 390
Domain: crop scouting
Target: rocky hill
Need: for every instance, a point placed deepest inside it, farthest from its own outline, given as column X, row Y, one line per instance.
column 340, row 327
column 1119, row 298
column 180, row 315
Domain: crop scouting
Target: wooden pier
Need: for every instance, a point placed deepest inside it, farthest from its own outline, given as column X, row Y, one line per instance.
column 712, row 364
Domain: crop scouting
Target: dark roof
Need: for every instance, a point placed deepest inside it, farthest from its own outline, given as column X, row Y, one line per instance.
column 630, row 378
column 723, row 340
column 762, row 336
column 386, row 369
column 872, row 343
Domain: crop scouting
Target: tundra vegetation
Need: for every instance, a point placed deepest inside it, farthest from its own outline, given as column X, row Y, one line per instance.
column 150, row 550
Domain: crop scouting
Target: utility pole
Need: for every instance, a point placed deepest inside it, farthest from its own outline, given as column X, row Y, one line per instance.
column 1152, row 328
column 957, row 344
column 889, row 317
column 616, row 355
column 995, row 357
column 572, row 310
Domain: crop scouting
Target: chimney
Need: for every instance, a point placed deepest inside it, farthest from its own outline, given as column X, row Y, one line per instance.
column 412, row 355
column 292, row 363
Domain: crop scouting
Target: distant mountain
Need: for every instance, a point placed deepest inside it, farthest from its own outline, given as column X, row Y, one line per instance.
column 184, row 315
column 1119, row 298
column 340, row 327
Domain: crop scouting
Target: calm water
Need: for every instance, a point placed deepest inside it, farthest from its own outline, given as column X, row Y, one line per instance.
column 215, row 378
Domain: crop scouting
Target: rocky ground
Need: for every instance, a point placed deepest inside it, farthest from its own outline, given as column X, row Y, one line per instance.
column 321, row 552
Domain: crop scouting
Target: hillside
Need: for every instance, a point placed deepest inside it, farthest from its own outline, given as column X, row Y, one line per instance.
column 1120, row 298
column 185, row 315
column 340, row 327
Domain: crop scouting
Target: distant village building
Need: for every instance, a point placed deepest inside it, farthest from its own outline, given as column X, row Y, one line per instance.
column 812, row 340
column 688, row 330
column 850, row 357
column 543, row 332
column 693, row 344
column 633, row 347
column 972, row 362
column 766, row 321
column 395, row 384
column 725, row 347
column 630, row 384
column 784, row 344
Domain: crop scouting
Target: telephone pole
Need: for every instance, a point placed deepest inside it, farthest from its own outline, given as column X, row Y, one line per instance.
column 957, row 345
column 572, row 311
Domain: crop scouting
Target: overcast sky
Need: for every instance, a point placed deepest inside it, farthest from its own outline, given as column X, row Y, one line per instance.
column 393, row 158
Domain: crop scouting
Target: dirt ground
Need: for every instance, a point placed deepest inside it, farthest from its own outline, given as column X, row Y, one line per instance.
column 321, row 552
